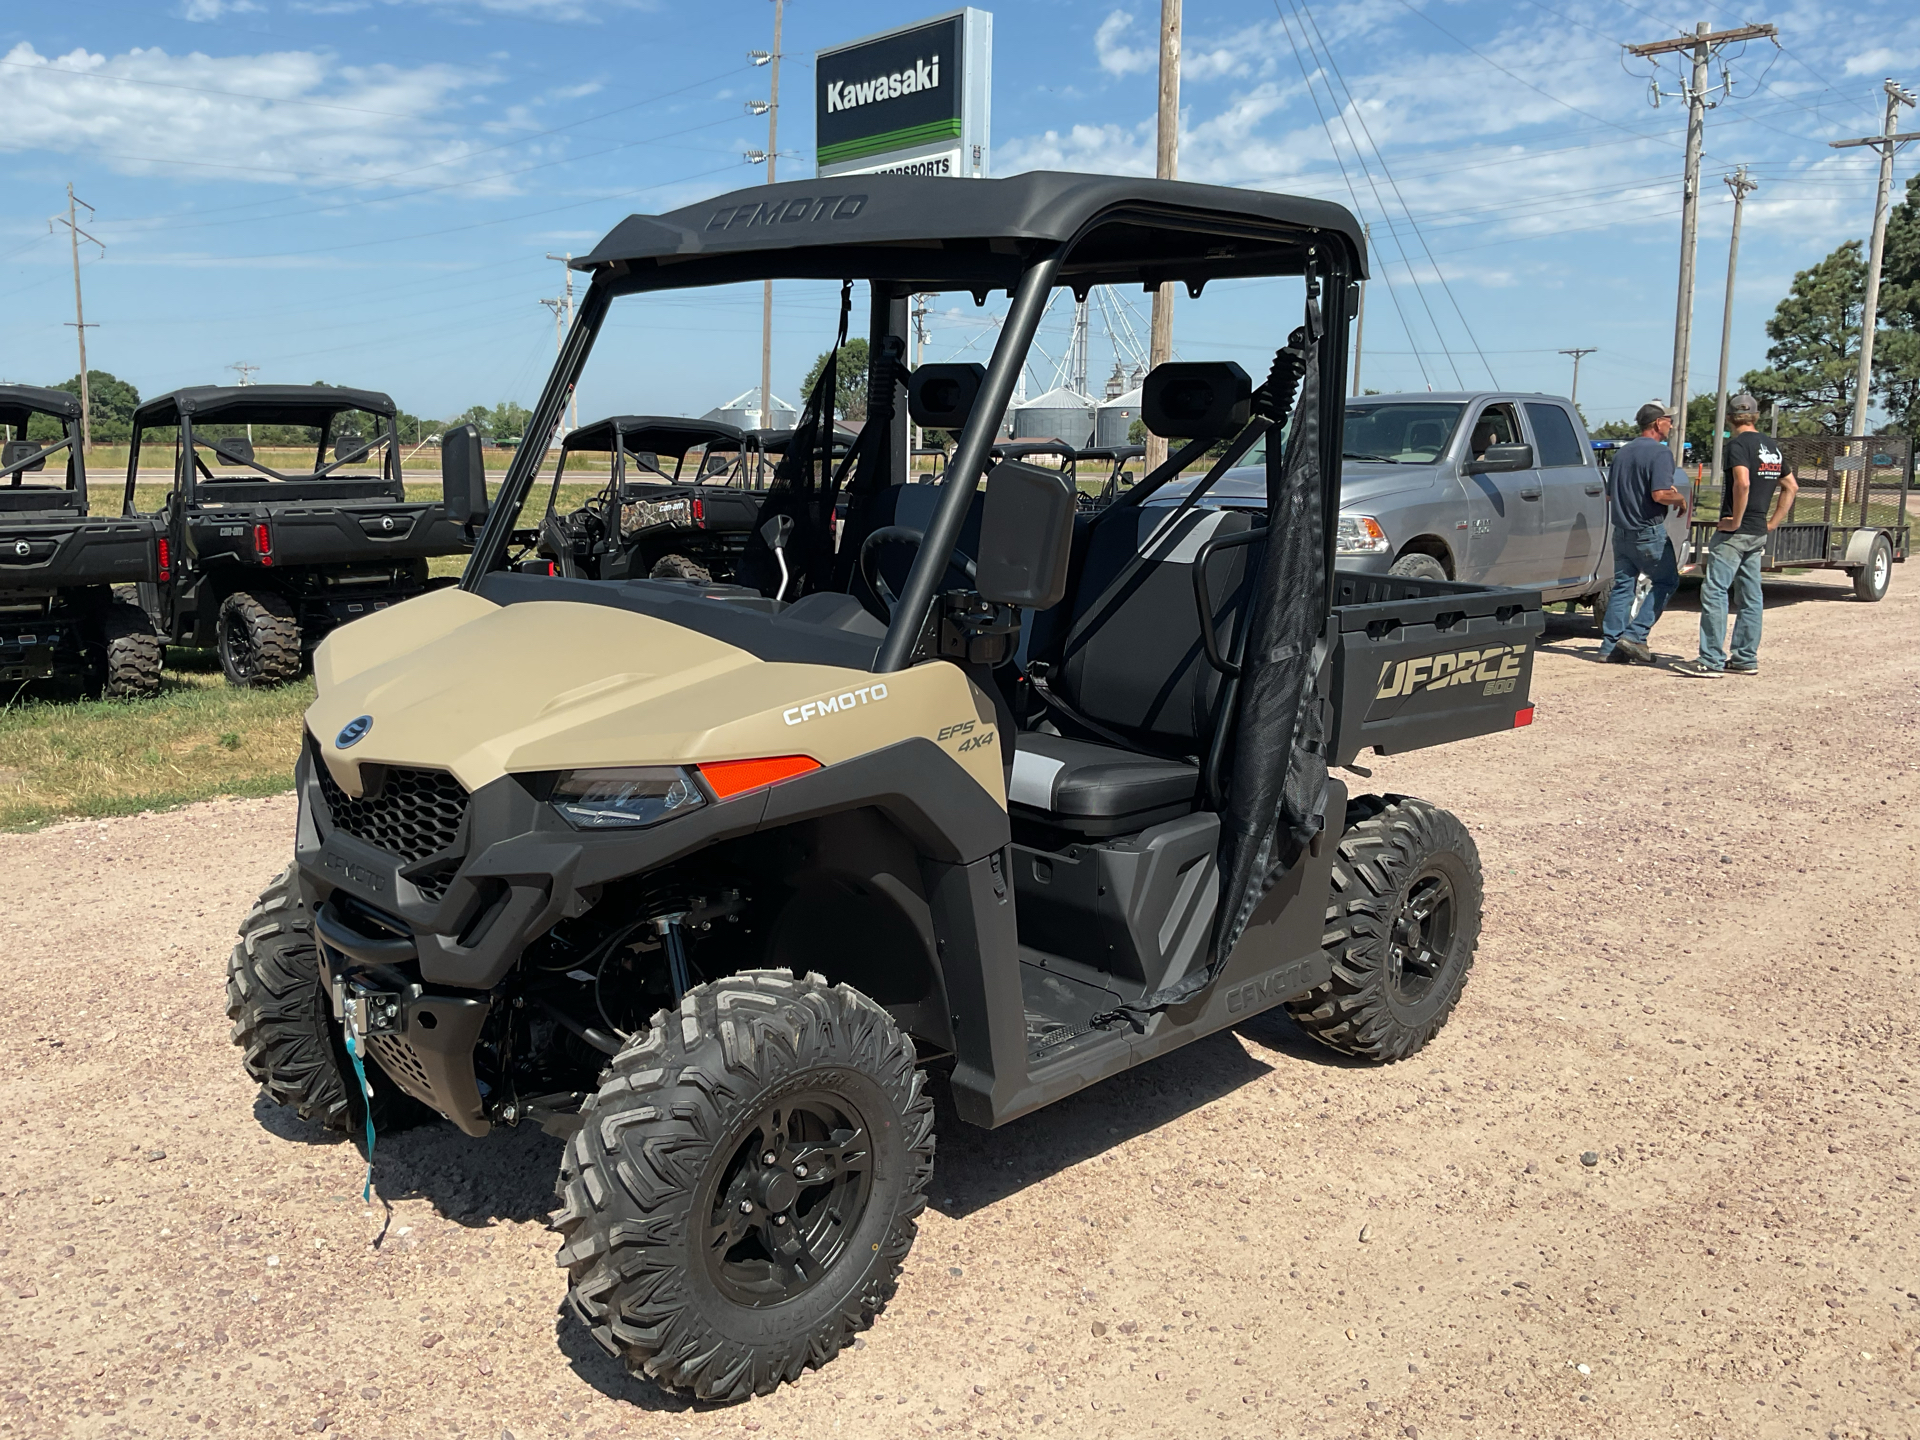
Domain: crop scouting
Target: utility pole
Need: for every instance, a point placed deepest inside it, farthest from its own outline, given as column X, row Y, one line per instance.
column 1741, row 187
column 1166, row 165
column 918, row 313
column 1887, row 142
column 1703, row 42
column 79, row 321
column 1576, row 352
column 563, row 320
column 773, row 155
column 1360, row 315
column 246, row 373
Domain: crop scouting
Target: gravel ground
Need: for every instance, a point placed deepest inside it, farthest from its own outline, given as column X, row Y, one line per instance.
column 1658, row 1176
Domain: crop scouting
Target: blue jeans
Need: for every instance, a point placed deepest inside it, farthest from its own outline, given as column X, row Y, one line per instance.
column 1635, row 553
column 1733, row 574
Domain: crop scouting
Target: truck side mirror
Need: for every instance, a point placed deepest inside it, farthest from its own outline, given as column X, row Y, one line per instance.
column 463, row 476
column 1497, row 459
column 1026, row 536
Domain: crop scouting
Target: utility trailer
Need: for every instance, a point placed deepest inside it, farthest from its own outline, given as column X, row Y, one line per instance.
column 1851, row 513
column 708, row 879
column 59, row 563
column 263, row 563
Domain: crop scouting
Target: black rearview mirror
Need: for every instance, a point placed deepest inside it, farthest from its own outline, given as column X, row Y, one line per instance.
column 463, row 476
column 1497, row 459
column 1026, row 536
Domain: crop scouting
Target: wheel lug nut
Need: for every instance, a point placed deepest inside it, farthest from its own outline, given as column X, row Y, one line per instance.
column 746, row 1207
column 769, row 1158
column 779, row 1219
column 799, row 1172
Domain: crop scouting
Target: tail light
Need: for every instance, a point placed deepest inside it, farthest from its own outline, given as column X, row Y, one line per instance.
column 166, row 559
column 699, row 511
column 263, row 543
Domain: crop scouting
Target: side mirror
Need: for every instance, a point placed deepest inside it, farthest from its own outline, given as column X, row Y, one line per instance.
column 1196, row 400
column 1500, row 458
column 463, row 476
column 1026, row 536
column 941, row 397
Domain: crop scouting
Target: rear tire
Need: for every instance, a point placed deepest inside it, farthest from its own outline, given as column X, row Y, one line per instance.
column 664, row 1265
column 1872, row 580
column 679, row 567
column 1402, row 924
column 1418, row 566
column 131, row 652
column 259, row 639
column 283, row 1020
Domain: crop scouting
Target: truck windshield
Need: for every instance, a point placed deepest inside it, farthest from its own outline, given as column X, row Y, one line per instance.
column 1400, row 432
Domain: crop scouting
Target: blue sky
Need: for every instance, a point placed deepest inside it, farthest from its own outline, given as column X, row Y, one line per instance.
column 364, row 190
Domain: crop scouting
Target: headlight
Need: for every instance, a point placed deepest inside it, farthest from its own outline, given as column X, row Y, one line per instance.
column 1360, row 535
column 626, row 798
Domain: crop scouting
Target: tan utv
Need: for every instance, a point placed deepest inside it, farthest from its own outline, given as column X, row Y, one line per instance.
column 954, row 780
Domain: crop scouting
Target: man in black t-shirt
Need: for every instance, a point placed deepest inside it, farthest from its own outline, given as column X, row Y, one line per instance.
column 1756, row 495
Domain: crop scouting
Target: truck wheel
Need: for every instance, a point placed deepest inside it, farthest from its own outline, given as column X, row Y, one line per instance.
column 744, row 1187
column 283, row 1020
column 1871, row 580
column 1402, row 923
column 679, row 567
column 1418, row 567
column 131, row 652
column 259, row 639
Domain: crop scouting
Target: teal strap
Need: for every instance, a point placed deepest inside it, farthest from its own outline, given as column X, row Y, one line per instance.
column 366, row 1101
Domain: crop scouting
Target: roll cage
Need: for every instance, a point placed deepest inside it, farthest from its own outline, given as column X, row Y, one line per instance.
column 20, row 456
column 910, row 234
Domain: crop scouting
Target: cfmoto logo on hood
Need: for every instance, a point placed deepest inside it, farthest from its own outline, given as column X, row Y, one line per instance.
column 353, row 732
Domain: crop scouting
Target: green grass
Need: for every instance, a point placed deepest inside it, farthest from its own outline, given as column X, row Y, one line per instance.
column 199, row 738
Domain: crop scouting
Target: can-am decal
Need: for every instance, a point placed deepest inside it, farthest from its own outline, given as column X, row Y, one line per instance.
column 834, row 704
column 1463, row 667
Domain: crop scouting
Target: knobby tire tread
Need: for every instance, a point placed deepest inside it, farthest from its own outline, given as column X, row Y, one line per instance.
column 131, row 653
column 275, row 633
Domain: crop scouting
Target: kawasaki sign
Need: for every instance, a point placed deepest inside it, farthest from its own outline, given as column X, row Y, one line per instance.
column 908, row 101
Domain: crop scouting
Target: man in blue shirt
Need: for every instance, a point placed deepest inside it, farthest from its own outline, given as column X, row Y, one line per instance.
column 1645, row 484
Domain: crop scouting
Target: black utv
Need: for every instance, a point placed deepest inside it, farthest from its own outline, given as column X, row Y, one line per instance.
column 717, row 882
column 262, row 561
column 59, row 616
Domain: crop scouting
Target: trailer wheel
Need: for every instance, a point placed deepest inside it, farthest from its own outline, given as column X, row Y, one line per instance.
column 741, row 1192
column 283, row 1021
column 130, row 653
column 1403, row 920
column 679, row 567
column 259, row 639
column 1871, row 580
column 1418, row 565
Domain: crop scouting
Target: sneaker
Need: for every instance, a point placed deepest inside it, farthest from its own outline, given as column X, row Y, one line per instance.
column 1743, row 669
column 1694, row 670
column 1630, row 652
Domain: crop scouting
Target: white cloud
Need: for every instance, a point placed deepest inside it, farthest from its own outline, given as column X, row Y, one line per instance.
column 281, row 117
column 1116, row 56
column 207, row 11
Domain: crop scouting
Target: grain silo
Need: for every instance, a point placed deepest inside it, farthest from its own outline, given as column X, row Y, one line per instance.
column 1060, row 414
column 1114, row 417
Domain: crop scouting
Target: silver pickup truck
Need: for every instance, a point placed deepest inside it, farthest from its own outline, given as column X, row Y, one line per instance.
column 1487, row 486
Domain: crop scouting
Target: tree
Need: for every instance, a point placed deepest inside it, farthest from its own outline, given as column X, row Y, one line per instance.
column 1896, row 344
column 508, row 420
column 1615, row 430
column 850, row 380
column 1815, row 356
column 112, row 401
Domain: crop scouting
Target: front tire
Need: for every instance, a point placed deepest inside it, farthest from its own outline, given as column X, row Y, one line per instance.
column 1871, row 580
column 741, row 1192
column 283, row 1020
column 1402, row 925
column 1418, row 566
column 259, row 639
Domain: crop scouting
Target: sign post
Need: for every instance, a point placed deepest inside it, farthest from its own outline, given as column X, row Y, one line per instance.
column 911, row 101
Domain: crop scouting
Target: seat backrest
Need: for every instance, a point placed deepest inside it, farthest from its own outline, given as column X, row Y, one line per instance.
column 1132, row 658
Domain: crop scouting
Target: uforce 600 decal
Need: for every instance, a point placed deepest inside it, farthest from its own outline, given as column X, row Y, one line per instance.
column 833, row 704
column 1497, row 668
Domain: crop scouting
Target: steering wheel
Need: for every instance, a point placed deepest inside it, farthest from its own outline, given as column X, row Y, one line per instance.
column 896, row 535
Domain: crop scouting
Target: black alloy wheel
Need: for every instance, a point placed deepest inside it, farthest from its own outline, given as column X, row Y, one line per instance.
column 259, row 639
column 1421, row 938
column 795, row 1190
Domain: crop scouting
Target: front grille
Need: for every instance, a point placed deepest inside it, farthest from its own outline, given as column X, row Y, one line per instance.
column 412, row 814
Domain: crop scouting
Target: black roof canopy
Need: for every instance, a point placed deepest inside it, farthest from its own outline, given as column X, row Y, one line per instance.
column 17, row 402
column 660, row 434
column 260, row 404
column 933, row 234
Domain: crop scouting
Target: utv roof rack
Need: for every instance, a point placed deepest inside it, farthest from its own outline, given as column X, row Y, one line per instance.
column 261, row 404
column 661, row 434
column 17, row 402
column 930, row 233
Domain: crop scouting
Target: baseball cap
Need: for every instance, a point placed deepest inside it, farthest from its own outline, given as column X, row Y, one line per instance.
column 1743, row 404
column 1651, row 411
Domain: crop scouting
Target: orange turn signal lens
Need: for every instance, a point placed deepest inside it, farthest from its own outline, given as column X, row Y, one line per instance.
column 727, row 778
